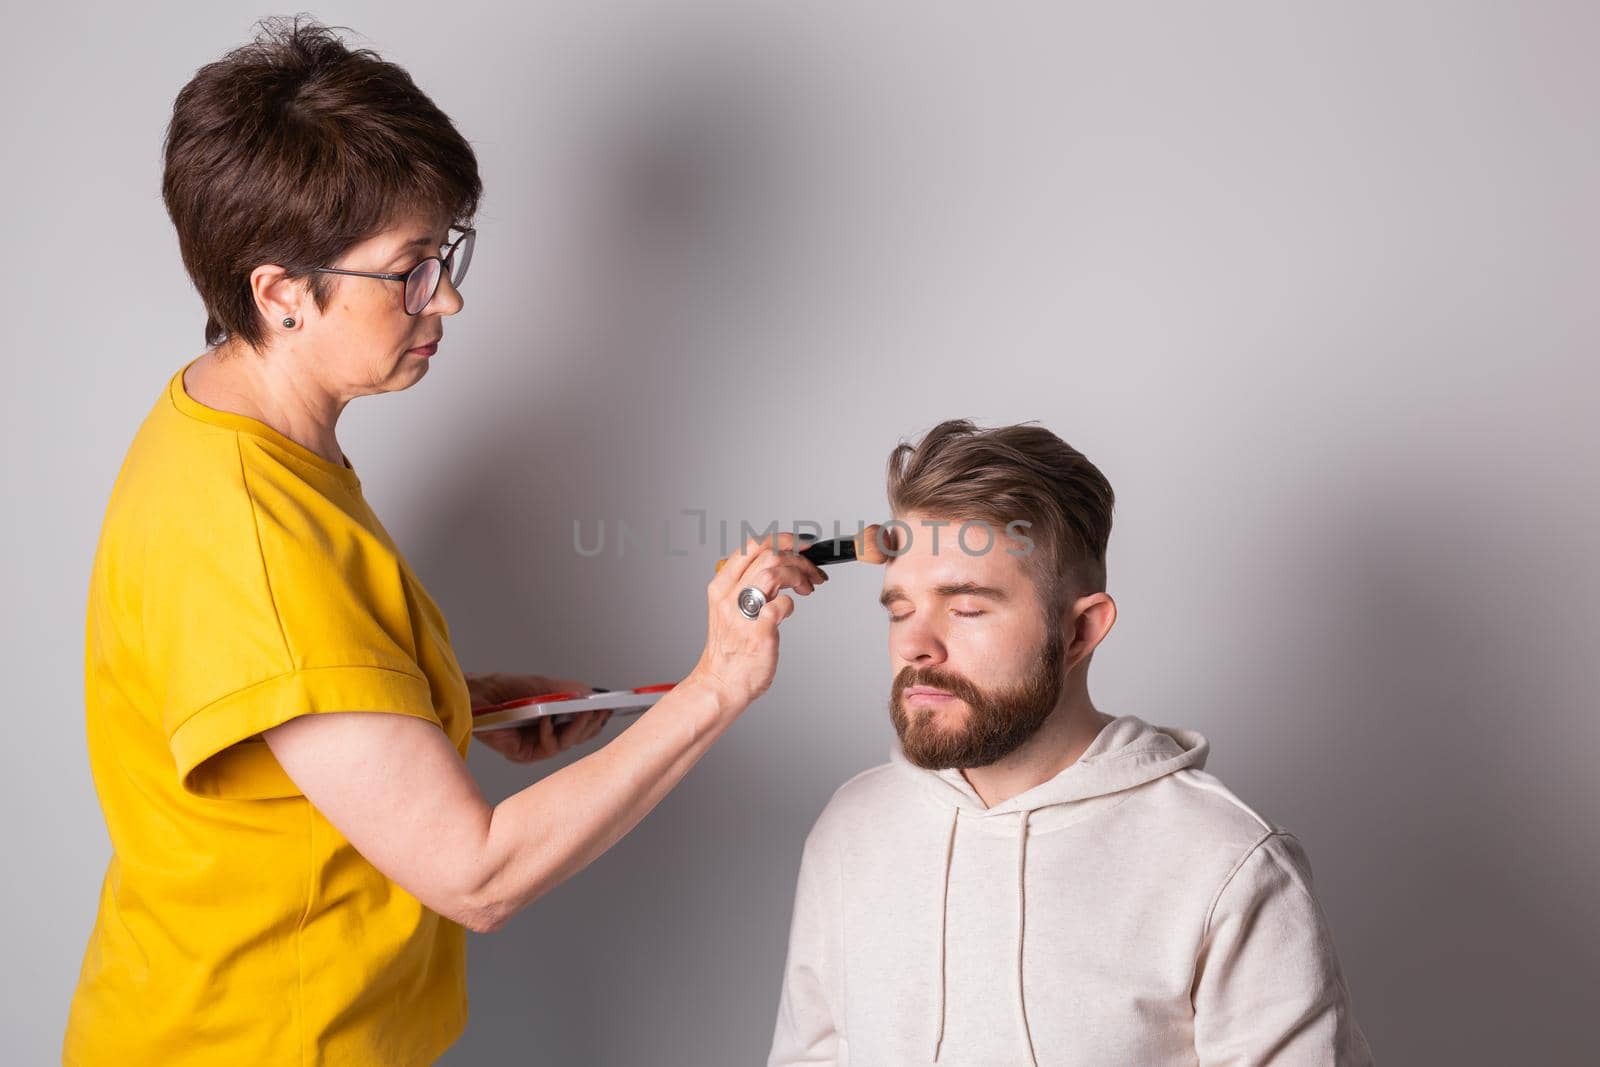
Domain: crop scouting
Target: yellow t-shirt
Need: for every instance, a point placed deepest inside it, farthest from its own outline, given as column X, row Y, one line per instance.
column 242, row 580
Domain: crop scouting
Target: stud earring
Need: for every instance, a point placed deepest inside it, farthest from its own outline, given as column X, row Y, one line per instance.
column 288, row 324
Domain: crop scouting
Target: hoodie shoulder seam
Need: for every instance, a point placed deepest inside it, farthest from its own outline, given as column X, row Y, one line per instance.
column 1216, row 898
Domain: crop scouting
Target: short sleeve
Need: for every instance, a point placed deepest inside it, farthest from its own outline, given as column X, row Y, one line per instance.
column 293, row 602
column 219, row 751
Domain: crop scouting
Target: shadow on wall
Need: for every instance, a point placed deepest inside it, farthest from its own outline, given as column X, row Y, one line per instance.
column 1385, row 717
column 683, row 209
column 1442, row 830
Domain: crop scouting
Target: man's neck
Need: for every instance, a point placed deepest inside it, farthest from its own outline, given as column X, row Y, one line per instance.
column 1065, row 735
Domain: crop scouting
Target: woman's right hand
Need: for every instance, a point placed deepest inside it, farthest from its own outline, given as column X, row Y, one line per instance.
column 741, row 654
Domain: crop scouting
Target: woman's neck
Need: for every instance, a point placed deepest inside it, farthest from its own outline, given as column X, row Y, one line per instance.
column 246, row 383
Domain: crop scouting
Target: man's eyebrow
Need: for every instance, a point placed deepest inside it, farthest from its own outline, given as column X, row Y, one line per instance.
column 894, row 592
column 969, row 589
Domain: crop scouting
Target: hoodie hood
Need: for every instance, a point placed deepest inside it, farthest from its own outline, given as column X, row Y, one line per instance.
column 1127, row 753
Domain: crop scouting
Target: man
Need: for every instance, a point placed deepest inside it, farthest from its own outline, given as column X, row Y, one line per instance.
column 1030, row 881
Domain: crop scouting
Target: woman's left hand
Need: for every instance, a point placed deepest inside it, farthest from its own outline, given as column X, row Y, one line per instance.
column 542, row 738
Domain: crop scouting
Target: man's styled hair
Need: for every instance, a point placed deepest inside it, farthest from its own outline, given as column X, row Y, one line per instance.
column 1009, row 473
column 292, row 149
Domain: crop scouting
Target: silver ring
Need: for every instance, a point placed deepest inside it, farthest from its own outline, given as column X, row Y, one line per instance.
column 751, row 601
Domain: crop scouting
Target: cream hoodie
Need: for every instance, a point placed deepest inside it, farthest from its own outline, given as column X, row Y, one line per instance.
column 1131, row 911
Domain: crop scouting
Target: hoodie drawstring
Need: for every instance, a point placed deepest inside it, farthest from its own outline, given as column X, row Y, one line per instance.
column 1127, row 752
column 1022, row 911
column 1022, row 914
column 944, row 914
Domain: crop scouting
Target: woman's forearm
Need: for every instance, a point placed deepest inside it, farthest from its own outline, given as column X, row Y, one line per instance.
column 397, row 789
column 543, row 835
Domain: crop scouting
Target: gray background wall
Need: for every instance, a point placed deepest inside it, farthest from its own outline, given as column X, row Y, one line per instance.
column 1313, row 284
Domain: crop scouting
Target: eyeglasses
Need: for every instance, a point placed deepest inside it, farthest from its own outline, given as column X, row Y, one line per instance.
column 422, row 281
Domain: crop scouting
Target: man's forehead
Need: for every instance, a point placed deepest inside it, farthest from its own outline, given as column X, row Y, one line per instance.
column 953, row 561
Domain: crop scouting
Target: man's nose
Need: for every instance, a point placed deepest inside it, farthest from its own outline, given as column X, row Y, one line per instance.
column 917, row 643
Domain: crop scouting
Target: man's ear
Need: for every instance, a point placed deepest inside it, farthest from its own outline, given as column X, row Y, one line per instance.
column 1087, row 619
column 277, row 295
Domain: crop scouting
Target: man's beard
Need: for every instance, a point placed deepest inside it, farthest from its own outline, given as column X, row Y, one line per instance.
column 997, row 723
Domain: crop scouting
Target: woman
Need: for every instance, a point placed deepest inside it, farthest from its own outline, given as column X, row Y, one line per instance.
column 276, row 719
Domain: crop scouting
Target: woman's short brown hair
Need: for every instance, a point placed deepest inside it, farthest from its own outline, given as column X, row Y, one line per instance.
column 293, row 148
column 1007, row 474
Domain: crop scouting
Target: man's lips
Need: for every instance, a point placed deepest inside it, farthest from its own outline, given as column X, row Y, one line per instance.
column 925, row 692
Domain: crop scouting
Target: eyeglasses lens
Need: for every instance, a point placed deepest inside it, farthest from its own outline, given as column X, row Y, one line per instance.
column 461, row 259
column 421, row 284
